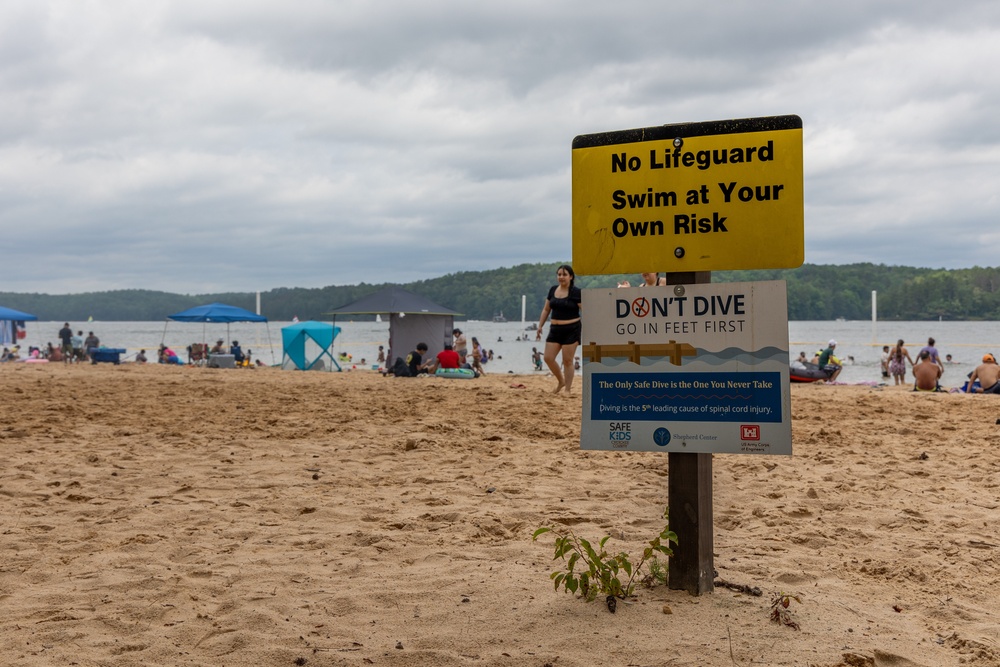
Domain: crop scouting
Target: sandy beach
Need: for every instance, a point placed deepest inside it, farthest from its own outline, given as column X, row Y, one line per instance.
column 186, row 516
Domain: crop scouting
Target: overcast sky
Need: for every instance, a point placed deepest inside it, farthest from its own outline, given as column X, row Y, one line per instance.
column 199, row 147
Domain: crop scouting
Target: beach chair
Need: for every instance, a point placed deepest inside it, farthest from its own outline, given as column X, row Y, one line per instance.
column 198, row 354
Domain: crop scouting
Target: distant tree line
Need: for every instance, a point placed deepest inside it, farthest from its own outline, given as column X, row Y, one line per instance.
column 815, row 292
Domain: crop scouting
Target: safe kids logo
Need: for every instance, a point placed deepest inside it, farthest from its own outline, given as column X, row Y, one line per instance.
column 620, row 432
column 749, row 432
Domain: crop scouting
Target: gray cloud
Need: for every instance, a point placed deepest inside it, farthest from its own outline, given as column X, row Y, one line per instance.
column 197, row 147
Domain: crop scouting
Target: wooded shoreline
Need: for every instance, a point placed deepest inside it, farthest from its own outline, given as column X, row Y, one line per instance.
column 815, row 292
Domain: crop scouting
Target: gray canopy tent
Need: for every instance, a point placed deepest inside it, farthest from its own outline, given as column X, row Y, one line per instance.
column 412, row 319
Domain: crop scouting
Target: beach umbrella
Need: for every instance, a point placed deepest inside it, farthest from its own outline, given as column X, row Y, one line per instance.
column 218, row 313
column 16, row 315
column 9, row 319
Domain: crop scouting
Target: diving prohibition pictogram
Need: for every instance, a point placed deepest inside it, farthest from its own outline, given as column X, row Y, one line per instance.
column 640, row 307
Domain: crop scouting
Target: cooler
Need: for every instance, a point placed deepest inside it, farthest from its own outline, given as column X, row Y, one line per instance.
column 106, row 355
column 221, row 361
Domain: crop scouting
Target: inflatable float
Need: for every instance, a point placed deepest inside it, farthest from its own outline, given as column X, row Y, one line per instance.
column 455, row 373
column 805, row 372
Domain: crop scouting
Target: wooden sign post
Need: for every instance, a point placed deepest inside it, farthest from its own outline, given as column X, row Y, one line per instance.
column 689, row 503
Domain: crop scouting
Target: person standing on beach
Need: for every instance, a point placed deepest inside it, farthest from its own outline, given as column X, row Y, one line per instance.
column 562, row 305
column 897, row 361
column 477, row 356
column 885, row 362
column 933, row 352
column 79, row 354
column 66, row 342
column 461, row 347
column 91, row 341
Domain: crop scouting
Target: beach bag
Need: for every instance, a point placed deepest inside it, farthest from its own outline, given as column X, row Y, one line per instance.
column 400, row 369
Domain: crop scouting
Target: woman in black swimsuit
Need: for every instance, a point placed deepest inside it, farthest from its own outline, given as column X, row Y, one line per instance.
column 562, row 309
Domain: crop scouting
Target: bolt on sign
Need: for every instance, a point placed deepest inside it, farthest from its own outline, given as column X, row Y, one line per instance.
column 687, row 368
column 711, row 196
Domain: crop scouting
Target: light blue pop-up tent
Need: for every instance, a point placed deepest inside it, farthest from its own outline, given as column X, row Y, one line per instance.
column 308, row 346
column 10, row 321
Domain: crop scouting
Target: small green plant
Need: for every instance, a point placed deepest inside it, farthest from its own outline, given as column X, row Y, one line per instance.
column 780, row 613
column 657, row 573
column 592, row 572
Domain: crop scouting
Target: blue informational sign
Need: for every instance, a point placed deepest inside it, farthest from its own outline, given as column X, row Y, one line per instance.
column 687, row 397
column 697, row 368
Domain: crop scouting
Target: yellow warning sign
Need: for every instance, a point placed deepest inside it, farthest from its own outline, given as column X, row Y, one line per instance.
column 722, row 195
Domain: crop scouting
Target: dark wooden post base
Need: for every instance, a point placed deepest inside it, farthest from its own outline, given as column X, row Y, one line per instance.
column 689, row 504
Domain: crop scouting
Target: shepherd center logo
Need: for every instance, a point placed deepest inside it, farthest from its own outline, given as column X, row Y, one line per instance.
column 748, row 432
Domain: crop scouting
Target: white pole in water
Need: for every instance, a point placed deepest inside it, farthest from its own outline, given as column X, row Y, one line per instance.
column 258, row 303
column 524, row 304
column 874, row 317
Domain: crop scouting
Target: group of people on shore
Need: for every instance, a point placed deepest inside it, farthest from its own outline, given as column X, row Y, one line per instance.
column 456, row 355
column 929, row 368
column 562, row 313
column 73, row 347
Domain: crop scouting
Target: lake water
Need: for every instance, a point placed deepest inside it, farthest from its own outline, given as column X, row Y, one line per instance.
column 965, row 341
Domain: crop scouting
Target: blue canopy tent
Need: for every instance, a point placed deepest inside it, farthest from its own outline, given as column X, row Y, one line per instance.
column 307, row 346
column 218, row 313
column 10, row 322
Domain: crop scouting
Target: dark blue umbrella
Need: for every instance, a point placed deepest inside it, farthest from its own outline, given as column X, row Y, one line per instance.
column 217, row 312
column 15, row 315
column 10, row 321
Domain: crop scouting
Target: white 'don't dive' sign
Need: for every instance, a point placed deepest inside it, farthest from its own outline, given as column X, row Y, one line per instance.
column 687, row 368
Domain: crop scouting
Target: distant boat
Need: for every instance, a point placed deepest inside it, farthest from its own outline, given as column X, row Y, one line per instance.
column 378, row 318
column 499, row 318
